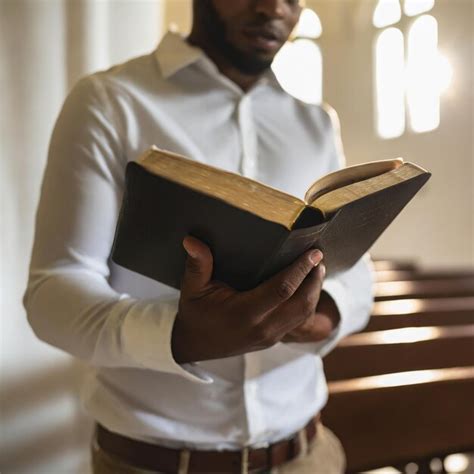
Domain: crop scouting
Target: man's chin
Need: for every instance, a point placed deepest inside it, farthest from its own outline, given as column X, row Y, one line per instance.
column 251, row 64
column 254, row 67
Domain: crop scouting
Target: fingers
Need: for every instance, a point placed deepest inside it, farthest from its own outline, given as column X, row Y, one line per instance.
column 306, row 297
column 292, row 313
column 198, row 267
column 283, row 285
column 302, row 304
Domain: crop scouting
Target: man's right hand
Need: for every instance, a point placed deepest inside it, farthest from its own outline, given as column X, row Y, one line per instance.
column 215, row 320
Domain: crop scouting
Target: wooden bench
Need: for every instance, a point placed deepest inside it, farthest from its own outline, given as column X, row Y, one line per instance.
column 398, row 350
column 433, row 288
column 418, row 274
column 393, row 419
column 421, row 312
column 402, row 390
column 399, row 265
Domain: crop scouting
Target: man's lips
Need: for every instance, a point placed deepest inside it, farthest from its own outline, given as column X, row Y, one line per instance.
column 264, row 38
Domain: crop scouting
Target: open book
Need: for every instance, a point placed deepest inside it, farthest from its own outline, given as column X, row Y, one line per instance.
column 252, row 229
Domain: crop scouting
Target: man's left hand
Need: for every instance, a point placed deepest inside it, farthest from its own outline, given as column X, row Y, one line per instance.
column 320, row 324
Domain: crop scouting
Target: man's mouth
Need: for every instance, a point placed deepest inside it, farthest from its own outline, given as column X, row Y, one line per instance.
column 264, row 38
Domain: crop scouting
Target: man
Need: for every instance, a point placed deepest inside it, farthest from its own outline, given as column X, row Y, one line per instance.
column 207, row 379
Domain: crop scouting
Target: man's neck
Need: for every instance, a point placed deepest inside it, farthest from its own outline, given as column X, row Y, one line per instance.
column 244, row 81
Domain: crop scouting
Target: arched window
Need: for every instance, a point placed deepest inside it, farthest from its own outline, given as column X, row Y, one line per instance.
column 410, row 73
column 299, row 64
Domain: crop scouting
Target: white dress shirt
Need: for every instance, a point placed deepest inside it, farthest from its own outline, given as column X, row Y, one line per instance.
column 121, row 322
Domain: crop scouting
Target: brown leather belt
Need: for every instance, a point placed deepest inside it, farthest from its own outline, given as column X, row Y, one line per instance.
column 165, row 460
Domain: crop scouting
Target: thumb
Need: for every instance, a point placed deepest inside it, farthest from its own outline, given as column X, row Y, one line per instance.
column 198, row 267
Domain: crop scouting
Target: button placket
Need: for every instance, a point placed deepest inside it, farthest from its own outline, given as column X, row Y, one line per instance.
column 248, row 137
column 248, row 168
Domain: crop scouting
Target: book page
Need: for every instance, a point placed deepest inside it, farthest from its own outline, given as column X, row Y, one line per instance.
column 238, row 191
column 349, row 175
column 332, row 201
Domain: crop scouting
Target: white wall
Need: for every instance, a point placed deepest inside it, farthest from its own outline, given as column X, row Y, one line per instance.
column 437, row 228
column 45, row 46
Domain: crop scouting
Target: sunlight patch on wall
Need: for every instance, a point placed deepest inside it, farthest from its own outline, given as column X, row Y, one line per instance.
column 410, row 75
column 387, row 12
column 423, row 88
column 415, row 7
column 389, row 79
column 298, row 65
column 309, row 25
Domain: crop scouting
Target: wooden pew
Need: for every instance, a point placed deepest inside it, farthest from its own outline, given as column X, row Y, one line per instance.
column 393, row 419
column 421, row 312
column 399, row 350
column 399, row 265
column 410, row 275
column 433, row 288
column 402, row 390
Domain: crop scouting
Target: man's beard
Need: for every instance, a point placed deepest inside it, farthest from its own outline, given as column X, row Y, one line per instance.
column 216, row 29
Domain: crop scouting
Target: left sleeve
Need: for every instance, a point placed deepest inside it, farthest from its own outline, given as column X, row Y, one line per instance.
column 352, row 290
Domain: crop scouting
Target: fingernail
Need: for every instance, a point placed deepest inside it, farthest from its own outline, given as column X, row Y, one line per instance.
column 323, row 270
column 190, row 252
column 316, row 256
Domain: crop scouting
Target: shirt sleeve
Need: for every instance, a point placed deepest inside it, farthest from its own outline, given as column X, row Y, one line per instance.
column 69, row 301
column 352, row 290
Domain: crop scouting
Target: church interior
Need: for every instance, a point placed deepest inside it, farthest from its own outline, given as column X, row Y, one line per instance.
column 400, row 75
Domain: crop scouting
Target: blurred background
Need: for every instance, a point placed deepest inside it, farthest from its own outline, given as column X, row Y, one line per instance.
column 399, row 74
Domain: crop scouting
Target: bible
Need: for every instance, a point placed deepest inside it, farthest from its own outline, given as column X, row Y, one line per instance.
column 252, row 229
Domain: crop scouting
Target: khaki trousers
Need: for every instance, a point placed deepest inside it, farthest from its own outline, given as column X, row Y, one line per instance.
column 324, row 455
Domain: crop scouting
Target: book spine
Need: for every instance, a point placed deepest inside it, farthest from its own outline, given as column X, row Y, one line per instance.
column 263, row 273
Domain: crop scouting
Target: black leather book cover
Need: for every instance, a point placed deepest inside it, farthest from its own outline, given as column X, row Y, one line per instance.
column 351, row 231
column 157, row 214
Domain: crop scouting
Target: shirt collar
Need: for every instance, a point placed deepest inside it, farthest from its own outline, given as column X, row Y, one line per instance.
column 174, row 53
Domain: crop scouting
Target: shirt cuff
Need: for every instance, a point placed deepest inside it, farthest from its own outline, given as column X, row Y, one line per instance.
column 146, row 338
column 338, row 292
